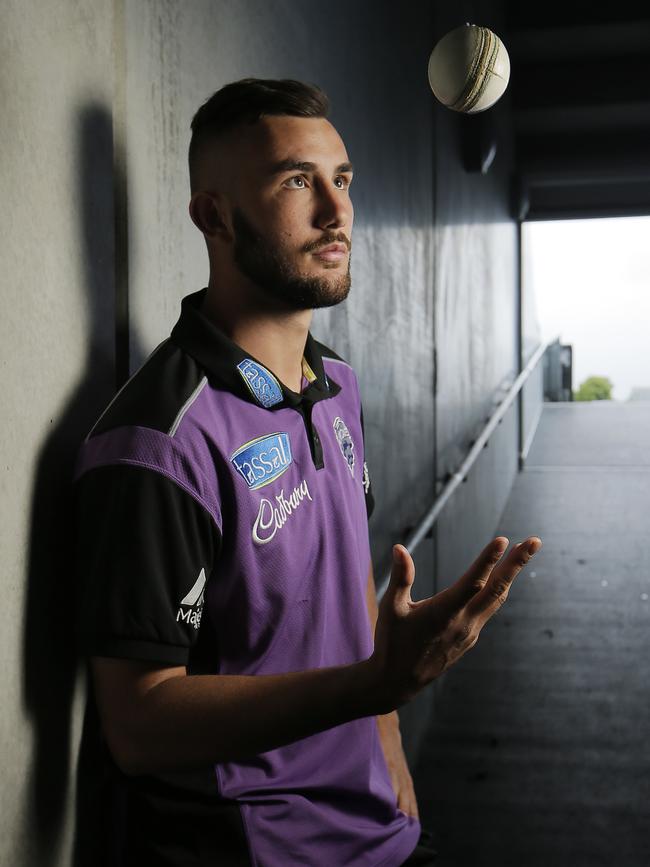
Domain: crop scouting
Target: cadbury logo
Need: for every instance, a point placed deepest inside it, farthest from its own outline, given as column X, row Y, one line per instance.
column 272, row 516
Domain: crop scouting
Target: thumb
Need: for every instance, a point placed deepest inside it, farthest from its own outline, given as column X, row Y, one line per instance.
column 402, row 576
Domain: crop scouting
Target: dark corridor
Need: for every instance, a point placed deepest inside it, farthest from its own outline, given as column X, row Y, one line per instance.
column 538, row 754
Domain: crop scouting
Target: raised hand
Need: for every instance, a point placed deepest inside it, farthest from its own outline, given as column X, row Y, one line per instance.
column 416, row 641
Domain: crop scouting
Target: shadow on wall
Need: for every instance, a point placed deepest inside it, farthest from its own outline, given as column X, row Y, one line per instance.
column 49, row 653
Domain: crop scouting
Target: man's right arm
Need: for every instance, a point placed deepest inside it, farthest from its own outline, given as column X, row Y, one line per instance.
column 159, row 719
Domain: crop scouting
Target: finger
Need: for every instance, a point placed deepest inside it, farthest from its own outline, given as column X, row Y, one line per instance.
column 475, row 578
column 406, row 802
column 402, row 577
column 412, row 804
column 495, row 592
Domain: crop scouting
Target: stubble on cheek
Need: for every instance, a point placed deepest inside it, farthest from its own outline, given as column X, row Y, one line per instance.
column 284, row 270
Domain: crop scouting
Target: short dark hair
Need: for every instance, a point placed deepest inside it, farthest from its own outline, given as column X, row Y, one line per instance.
column 245, row 102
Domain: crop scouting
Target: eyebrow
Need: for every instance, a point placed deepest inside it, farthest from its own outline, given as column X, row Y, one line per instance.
column 291, row 164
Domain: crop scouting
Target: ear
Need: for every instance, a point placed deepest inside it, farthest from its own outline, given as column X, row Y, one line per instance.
column 207, row 212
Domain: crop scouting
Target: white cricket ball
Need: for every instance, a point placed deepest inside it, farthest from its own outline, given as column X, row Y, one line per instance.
column 469, row 69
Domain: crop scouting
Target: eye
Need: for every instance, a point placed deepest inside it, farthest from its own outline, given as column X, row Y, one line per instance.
column 300, row 178
column 345, row 181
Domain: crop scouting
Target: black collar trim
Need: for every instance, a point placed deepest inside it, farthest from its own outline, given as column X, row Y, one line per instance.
column 227, row 363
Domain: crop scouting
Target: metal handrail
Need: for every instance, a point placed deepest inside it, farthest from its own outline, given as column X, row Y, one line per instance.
column 415, row 537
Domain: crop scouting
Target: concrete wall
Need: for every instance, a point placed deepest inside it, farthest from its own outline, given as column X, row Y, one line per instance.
column 98, row 100
column 57, row 334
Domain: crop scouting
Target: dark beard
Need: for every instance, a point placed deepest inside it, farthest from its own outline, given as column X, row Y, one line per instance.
column 273, row 274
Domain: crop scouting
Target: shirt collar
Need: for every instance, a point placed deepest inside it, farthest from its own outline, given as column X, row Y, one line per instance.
column 238, row 371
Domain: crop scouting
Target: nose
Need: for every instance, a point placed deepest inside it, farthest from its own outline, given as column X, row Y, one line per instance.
column 333, row 208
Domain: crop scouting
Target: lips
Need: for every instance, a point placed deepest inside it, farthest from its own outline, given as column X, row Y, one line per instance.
column 332, row 253
column 339, row 248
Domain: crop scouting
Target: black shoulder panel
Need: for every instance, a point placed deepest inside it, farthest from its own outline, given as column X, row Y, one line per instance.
column 156, row 392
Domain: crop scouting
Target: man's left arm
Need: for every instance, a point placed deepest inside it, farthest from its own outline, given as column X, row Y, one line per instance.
column 388, row 727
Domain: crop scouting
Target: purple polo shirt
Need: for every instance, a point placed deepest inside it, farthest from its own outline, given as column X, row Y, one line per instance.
column 222, row 524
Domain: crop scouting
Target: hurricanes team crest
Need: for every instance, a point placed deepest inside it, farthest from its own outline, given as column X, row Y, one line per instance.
column 345, row 442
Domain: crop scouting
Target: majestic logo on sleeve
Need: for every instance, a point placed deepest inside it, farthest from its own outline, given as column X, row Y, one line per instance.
column 261, row 383
column 191, row 607
column 345, row 442
column 262, row 460
column 272, row 516
column 366, row 478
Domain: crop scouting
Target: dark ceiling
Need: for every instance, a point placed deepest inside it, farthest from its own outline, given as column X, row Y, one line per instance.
column 580, row 90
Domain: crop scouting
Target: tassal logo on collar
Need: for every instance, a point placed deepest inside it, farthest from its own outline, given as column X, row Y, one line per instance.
column 261, row 383
column 262, row 460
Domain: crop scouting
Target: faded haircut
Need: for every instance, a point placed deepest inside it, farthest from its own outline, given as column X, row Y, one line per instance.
column 245, row 102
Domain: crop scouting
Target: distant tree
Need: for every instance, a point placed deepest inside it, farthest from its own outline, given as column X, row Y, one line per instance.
column 594, row 388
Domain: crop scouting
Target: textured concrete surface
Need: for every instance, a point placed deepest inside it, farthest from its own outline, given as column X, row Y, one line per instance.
column 56, row 333
column 539, row 751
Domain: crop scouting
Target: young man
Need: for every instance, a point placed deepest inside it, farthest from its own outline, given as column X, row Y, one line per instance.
column 227, row 597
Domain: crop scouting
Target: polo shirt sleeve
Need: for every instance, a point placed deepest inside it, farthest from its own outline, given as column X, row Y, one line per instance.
column 367, row 484
column 144, row 551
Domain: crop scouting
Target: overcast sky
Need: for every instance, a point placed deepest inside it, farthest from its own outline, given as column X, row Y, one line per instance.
column 591, row 280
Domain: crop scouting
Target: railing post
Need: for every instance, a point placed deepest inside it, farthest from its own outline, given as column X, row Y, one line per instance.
column 520, row 352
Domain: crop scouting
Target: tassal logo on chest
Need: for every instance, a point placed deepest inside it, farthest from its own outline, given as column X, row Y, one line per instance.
column 262, row 460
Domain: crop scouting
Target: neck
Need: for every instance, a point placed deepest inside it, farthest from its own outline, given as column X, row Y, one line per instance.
column 275, row 337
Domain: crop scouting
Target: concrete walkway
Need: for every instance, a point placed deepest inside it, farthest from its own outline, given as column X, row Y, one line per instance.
column 539, row 755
